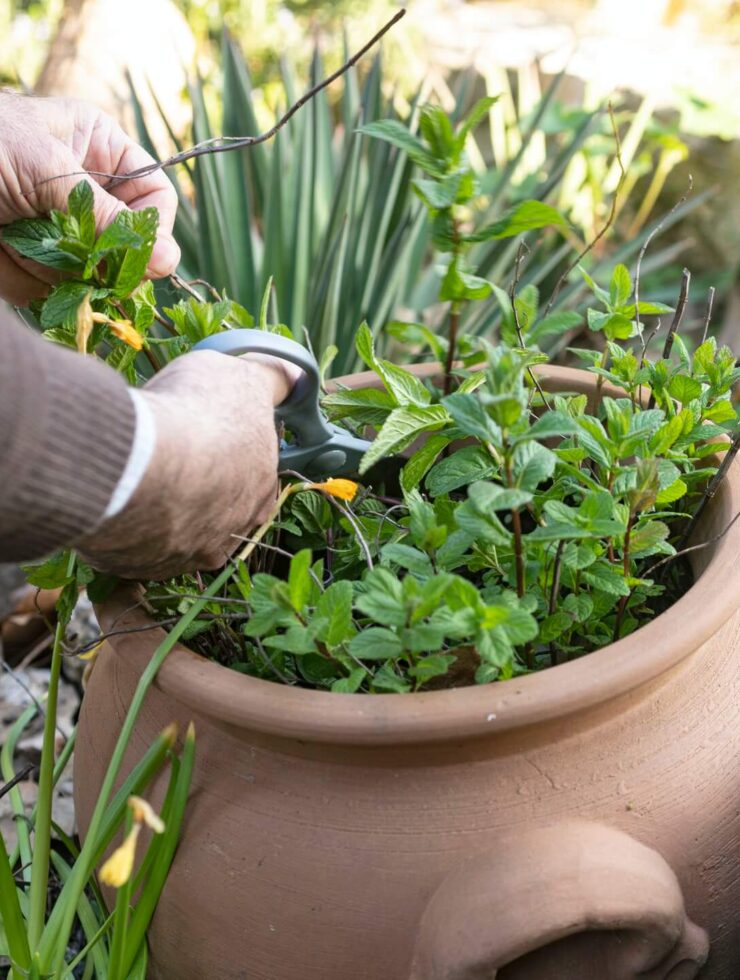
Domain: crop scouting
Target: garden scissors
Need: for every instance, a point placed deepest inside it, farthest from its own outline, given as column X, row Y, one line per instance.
column 320, row 448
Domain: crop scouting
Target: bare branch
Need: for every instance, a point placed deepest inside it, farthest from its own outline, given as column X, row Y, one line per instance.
column 609, row 221
column 711, row 488
column 512, row 296
column 223, row 144
column 656, row 231
column 675, row 323
column 693, row 547
column 708, row 315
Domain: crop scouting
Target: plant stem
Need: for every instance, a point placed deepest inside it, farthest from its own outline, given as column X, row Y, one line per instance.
column 516, row 523
column 626, row 568
column 42, row 831
column 454, row 326
column 712, row 487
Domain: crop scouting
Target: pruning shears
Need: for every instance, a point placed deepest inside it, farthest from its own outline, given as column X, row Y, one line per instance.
column 320, row 448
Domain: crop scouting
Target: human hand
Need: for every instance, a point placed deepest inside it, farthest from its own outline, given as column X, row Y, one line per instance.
column 213, row 475
column 52, row 138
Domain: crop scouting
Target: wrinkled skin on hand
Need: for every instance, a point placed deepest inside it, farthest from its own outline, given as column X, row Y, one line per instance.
column 60, row 138
column 213, row 476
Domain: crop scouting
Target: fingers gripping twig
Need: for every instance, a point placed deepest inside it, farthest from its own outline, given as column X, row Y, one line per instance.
column 223, row 144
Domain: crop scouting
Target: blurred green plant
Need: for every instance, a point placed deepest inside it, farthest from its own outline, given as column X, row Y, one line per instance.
column 36, row 934
column 324, row 212
column 334, row 219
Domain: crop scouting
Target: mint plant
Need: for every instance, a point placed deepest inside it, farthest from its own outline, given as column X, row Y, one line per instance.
column 450, row 190
column 521, row 529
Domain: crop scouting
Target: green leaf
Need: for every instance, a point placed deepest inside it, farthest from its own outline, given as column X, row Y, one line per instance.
column 81, row 204
column 620, row 287
column 524, row 217
column 395, row 133
column 125, row 273
column 421, row 461
column 492, row 496
column 554, row 625
column 684, row 389
column 370, row 406
column 296, row 640
column 532, row 465
column 476, row 115
column 666, row 435
column 60, row 309
column 400, row 429
column 376, row 643
column 350, row 684
column 412, row 559
column 402, row 385
column 606, row 578
column 464, row 466
column 365, row 345
column 50, row 574
column 647, row 536
column 459, row 284
column 439, row 194
column 434, row 665
column 436, row 129
column 387, row 680
column 335, row 606
column 471, row 418
column 675, row 491
column 548, row 425
column 579, row 607
column 38, row 239
column 299, row 579
column 614, row 326
column 382, row 599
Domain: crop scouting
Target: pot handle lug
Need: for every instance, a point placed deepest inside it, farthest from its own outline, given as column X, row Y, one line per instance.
column 549, row 883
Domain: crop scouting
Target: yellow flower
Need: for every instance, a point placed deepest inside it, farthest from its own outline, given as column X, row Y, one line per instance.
column 143, row 813
column 117, row 869
column 84, row 324
column 92, row 653
column 343, row 489
column 124, row 330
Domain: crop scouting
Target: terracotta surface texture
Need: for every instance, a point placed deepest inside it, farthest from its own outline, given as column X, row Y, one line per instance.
column 582, row 823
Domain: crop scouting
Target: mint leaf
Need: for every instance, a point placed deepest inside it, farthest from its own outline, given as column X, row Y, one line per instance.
column 400, row 429
column 375, row 643
column 60, row 309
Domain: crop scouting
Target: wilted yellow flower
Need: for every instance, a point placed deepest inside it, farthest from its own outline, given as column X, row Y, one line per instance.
column 84, row 324
column 92, row 653
column 124, row 330
column 343, row 489
column 143, row 813
column 117, row 869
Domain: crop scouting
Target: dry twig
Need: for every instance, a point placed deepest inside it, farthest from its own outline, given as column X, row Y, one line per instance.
column 609, row 221
column 224, row 144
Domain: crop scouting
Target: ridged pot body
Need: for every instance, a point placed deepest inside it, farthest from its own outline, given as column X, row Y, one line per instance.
column 454, row 834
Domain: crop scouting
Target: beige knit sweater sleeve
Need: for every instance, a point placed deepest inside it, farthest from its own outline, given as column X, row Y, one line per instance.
column 66, row 429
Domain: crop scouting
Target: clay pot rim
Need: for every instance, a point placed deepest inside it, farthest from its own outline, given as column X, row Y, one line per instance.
column 228, row 697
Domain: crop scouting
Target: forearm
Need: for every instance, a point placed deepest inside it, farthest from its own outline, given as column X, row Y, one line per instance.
column 66, row 429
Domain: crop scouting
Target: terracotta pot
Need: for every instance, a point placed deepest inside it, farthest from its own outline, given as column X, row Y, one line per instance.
column 582, row 822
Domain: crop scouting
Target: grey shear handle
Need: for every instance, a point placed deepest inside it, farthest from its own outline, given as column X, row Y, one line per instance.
column 320, row 448
column 300, row 411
